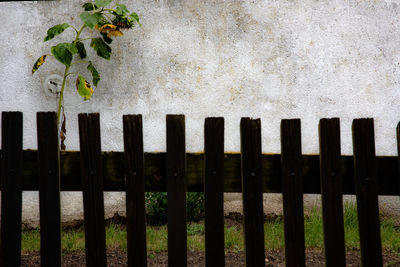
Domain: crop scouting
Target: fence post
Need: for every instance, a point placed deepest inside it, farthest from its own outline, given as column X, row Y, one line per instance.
column 11, row 184
column 176, row 188
column 252, row 188
column 49, row 189
column 92, row 188
column 331, row 192
column 292, row 192
column 214, row 191
column 135, row 201
column 365, row 173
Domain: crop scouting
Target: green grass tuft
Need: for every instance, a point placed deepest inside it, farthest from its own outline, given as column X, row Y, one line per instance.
column 157, row 236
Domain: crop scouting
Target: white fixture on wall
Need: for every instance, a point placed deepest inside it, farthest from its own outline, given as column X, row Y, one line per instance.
column 52, row 85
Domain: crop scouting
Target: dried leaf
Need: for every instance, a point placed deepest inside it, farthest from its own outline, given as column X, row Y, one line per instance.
column 63, row 133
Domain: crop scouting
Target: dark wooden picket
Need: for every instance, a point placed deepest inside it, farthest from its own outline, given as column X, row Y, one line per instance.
column 11, row 184
column 135, row 205
column 49, row 189
column 214, row 191
column 331, row 192
column 250, row 146
column 176, row 188
column 92, row 188
column 292, row 193
column 366, row 191
column 213, row 172
column 398, row 154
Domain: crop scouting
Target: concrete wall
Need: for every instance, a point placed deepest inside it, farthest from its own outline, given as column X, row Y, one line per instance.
column 268, row 59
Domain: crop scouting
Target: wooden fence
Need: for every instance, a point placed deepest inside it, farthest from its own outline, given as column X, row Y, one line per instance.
column 177, row 172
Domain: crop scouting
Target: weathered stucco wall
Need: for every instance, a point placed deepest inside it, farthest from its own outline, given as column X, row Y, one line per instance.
column 268, row 59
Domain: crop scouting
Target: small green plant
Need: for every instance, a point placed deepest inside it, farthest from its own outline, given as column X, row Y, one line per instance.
column 108, row 23
column 194, row 206
column 157, row 205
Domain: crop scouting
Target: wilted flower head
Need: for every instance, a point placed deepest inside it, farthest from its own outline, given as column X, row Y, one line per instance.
column 123, row 22
column 110, row 30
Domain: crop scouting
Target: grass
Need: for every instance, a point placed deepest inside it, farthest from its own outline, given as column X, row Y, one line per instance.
column 157, row 236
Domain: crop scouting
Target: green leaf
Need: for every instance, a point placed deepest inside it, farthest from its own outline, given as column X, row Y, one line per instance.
column 55, row 30
column 102, row 22
column 106, row 39
column 71, row 47
column 89, row 6
column 39, row 62
column 81, row 49
column 103, row 50
column 84, row 88
column 95, row 74
column 122, row 9
column 63, row 52
column 90, row 19
column 102, row 3
column 135, row 17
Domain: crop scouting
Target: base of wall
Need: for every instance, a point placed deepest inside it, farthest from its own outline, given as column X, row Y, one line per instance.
column 114, row 203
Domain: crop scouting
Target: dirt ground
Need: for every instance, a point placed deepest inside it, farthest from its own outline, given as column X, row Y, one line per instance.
column 273, row 258
column 314, row 257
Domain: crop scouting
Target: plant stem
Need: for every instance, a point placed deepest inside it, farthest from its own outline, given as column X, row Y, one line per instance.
column 74, row 28
column 64, row 80
column 109, row 9
column 80, row 61
column 61, row 96
column 72, row 73
column 87, row 39
column 79, row 33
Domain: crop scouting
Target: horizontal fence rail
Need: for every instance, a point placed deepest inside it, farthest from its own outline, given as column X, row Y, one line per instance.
column 92, row 172
column 156, row 180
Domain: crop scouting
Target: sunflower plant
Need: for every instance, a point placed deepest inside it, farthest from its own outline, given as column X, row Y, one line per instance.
column 97, row 17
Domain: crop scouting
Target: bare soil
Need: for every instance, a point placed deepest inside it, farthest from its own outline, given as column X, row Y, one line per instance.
column 273, row 258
